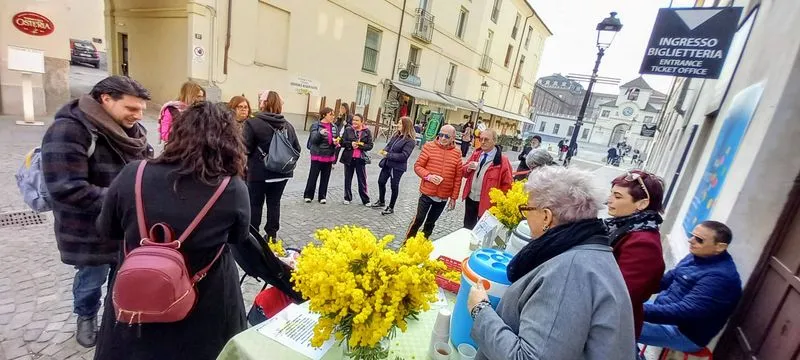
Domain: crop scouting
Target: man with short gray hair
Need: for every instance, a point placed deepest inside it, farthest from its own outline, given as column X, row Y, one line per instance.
column 486, row 169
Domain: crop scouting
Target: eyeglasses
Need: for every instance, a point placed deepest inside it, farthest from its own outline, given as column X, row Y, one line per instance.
column 485, row 139
column 630, row 177
column 523, row 210
column 242, row 107
column 446, row 136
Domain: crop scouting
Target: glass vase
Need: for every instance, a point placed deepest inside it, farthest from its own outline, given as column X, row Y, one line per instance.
column 379, row 352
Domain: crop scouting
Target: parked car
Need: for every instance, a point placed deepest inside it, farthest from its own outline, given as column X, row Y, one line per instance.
column 83, row 52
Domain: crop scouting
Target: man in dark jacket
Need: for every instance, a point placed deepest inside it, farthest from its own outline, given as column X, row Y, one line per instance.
column 697, row 296
column 522, row 168
column 88, row 144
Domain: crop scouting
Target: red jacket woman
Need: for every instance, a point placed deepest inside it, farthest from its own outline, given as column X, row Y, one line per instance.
column 634, row 205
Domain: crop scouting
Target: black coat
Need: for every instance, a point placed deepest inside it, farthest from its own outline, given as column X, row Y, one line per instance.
column 398, row 150
column 219, row 313
column 347, row 143
column 258, row 133
column 78, row 183
column 318, row 144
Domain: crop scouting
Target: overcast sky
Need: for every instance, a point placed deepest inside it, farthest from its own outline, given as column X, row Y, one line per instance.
column 572, row 47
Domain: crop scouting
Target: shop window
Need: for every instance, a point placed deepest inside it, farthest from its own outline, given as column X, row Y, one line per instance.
column 363, row 94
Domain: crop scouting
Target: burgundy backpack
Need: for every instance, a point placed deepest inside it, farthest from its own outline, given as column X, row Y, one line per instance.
column 153, row 284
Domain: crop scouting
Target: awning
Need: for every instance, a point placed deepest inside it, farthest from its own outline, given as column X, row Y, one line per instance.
column 506, row 114
column 424, row 97
column 458, row 102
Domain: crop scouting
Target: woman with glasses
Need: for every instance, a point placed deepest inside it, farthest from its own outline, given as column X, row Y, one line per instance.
column 394, row 163
column 634, row 205
column 323, row 140
column 356, row 141
column 241, row 108
column 567, row 298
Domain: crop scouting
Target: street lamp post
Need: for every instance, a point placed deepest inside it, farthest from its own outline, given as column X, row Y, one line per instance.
column 606, row 32
column 484, row 87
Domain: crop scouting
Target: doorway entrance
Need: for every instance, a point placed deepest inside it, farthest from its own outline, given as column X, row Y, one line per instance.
column 123, row 52
column 618, row 134
column 767, row 323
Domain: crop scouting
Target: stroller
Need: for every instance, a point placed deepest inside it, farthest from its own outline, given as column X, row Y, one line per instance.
column 257, row 261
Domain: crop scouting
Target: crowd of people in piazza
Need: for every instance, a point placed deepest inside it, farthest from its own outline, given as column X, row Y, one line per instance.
column 582, row 288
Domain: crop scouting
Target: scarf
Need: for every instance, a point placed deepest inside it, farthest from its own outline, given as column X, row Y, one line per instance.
column 639, row 221
column 132, row 143
column 554, row 242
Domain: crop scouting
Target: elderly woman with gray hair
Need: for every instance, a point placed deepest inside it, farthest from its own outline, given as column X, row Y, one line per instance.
column 567, row 299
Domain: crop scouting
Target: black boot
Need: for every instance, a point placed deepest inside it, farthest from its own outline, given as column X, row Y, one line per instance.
column 377, row 204
column 387, row 211
column 86, row 334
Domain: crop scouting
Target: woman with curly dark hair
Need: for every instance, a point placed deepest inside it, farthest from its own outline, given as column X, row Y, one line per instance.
column 204, row 152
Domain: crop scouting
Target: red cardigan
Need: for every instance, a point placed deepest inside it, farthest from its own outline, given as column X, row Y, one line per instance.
column 641, row 261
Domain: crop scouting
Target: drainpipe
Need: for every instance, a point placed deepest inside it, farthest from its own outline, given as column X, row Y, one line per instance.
column 516, row 61
column 399, row 34
column 227, row 39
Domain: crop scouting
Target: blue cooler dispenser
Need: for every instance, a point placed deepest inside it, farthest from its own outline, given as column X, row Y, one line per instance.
column 489, row 265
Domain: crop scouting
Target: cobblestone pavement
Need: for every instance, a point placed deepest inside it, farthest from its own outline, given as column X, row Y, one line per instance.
column 36, row 320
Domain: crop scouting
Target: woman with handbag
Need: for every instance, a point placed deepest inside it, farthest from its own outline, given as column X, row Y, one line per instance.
column 203, row 160
column 322, row 142
column 263, row 184
column 395, row 163
column 356, row 141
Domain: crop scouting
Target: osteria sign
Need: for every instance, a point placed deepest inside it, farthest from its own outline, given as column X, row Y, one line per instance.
column 33, row 23
column 690, row 42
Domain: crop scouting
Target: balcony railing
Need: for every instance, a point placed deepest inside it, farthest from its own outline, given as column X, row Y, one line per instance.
column 518, row 81
column 370, row 62
column 486, row 63
column 413, row 68
column 423, row 26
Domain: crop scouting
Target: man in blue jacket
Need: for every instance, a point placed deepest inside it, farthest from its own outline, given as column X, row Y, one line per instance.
column 697, row 296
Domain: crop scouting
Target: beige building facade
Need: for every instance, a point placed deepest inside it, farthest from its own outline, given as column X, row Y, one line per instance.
column 70, row 19
column 354, row 50
column 728, row 151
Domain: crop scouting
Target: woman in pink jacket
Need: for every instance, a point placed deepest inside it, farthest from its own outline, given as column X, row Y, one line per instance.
column 191, row 93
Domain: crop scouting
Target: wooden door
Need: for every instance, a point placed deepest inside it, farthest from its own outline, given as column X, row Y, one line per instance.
column 767, row 324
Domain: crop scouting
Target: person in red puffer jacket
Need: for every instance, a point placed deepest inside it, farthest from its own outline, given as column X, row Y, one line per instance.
column 634, row 205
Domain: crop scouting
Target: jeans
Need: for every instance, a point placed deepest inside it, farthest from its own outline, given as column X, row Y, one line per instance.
column 386, row 174
column 272, row 193
column 471, row 213
column 359, row 167
column 464, row 148
column 321, row 170
column 428, row 211
column 666, row 336
column 87, row 288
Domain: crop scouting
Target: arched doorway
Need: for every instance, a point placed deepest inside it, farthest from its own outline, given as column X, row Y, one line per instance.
column 618, row 134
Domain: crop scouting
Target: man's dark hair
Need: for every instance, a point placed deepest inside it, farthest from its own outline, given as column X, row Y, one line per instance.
column 722, row 231
column 116, row 86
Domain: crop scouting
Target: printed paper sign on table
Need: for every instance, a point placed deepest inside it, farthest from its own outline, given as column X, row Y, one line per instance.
column 486, row 229
column 294, row 327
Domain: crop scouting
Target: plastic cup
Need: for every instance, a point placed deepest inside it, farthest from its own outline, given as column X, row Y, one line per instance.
column 442, row 325
column 466, row 352
column 441, row 351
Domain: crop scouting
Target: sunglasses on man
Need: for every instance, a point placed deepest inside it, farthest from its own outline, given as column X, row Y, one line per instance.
column 445, row 136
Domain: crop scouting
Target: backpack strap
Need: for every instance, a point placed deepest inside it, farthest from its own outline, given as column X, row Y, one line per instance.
column 142, row 220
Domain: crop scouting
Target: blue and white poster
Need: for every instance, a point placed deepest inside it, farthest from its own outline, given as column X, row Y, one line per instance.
column 735, row 123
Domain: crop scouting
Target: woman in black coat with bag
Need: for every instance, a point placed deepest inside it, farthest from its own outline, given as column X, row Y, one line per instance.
column 395, row 163
column 262, row 184
column 356, row 142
